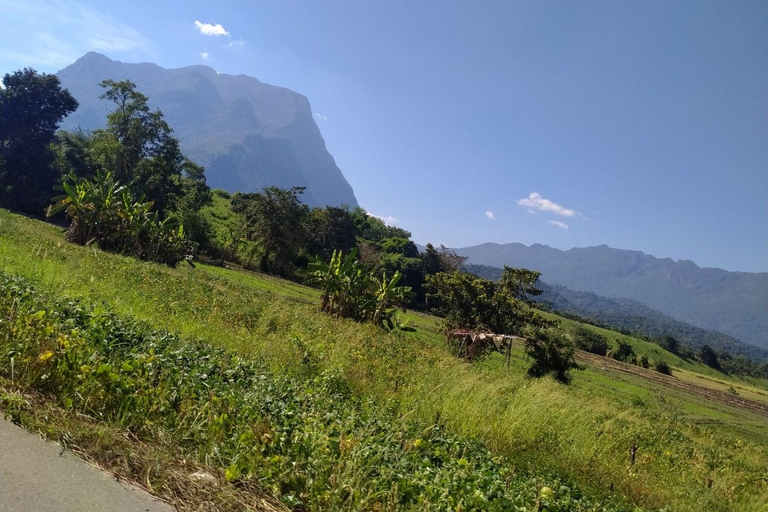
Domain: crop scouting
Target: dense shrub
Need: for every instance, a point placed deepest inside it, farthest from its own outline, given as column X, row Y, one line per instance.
column 589, row 340
column 105, row 212
column 551, row 355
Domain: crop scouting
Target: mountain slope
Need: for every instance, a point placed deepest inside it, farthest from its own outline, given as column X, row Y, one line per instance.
column 248, row 135
column 734, row 303
column 629, row 315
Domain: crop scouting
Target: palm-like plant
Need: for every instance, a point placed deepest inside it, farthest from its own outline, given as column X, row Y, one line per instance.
column 104, row 211
column 349, row 291
column 388, row 297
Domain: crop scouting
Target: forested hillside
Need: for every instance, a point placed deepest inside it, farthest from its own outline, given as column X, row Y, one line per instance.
column 734, row 303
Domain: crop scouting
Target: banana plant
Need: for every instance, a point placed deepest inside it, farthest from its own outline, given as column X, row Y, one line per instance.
column 388, row 297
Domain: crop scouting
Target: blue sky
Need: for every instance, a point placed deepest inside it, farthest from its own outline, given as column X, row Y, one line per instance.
column 641, row 125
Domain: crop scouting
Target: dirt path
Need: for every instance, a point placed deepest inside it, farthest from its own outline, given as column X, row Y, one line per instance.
column 672, row 382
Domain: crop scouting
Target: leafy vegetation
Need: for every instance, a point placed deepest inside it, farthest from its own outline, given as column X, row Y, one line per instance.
column 310, row 442
column 322, row 413
column 348, row 291
column 104, row 212
column 31, row 108
column 579, row 434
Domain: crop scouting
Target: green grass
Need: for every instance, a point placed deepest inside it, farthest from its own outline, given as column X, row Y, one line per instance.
column 655, row 353
column 693, row 455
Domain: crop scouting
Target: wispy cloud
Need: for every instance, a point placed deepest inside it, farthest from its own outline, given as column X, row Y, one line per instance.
column 204, row 55
column 79, row 29
column 208, row 29
column 320, row 117
column 535, row 201
column 490, row 215
column 232, row 45
column 561, row 225
column 388, row 220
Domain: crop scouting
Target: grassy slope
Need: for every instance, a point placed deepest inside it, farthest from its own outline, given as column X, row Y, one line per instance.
column 692, row 455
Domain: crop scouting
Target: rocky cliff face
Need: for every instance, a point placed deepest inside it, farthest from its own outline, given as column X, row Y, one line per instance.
column 248, row 135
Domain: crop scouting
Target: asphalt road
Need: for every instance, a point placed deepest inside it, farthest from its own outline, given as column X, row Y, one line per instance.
column 36, row 477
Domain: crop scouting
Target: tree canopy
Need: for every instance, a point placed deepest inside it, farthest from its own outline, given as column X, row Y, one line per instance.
column 31, row 107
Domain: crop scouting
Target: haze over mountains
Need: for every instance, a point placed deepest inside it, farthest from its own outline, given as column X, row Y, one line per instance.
column 734, row 303
column 248, row 135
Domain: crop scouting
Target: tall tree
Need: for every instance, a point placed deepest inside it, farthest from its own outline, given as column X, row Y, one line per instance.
column 275, row 219
column 31, row 107
column 138, row 146
column 520, row 282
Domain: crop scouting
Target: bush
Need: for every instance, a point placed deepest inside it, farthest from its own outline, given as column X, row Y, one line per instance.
column 551, row 356
column 663, row 367
column 105, row 212
column 643, row 361
column 589, row 340
column 624, row 351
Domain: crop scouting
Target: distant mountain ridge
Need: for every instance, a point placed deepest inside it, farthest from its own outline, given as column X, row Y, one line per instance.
column 248, row 135
column 629, row 315
column 734, row 303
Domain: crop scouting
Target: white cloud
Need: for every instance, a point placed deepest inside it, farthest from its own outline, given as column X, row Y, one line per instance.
column 320, row 117
column 561, row 225
column 208, row 29
column 239, row 43
column 388, row 220
column 534, row 200
column 490, row 215
column 204, row 55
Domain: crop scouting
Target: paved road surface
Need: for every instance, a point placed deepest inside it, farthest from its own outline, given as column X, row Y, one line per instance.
column 35, row 478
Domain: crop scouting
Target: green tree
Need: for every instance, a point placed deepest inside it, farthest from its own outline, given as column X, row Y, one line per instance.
column 470, row 302
column 349, row 291
column 104, row 212
column 520, row 282
column 589, row 340
column 138, row 146
column 709, row 357
column 330, row 229
column 31, row 107
column 374, row 229
column 624, row 351
column 551, row 355
column 670, row 344
column 275, row 219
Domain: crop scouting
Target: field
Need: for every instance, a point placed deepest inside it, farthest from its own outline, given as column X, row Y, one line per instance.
column 698, row 446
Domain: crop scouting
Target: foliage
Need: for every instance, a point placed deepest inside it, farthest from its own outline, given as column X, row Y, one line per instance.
column 138, row 146
column 329, row 229
column 670, row 344
column 309, row 442
column 105, row 212
column 551, row 355
column 374, row 229
column 31, row 107
column 469, row 302
column 663, row 367
column 709, row 357
column 444, row 260
column 589, row 340
column 275, row 219
column 520, row 282
column 623, row 351
column 348, row 291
